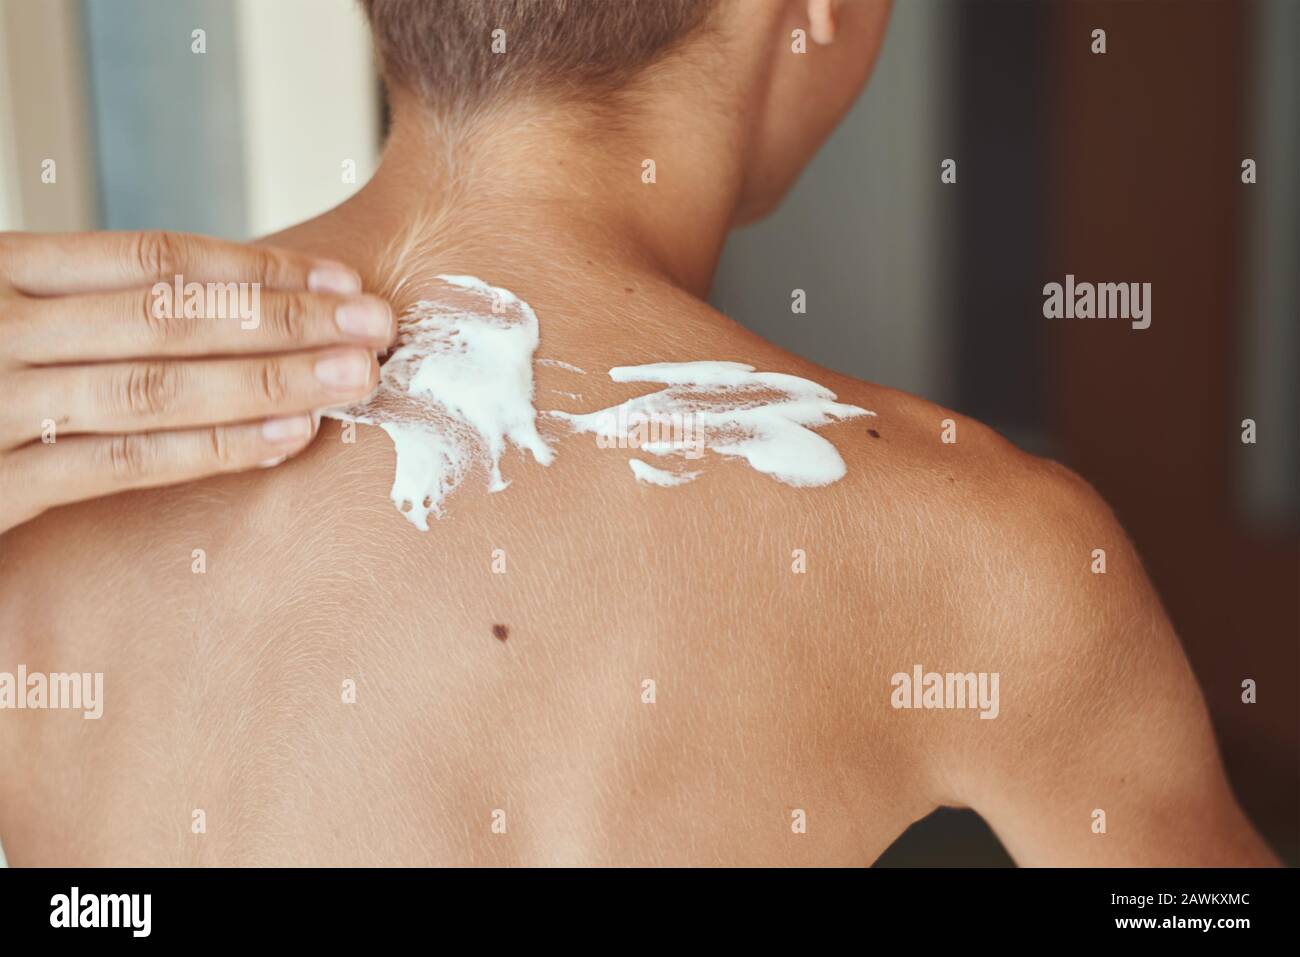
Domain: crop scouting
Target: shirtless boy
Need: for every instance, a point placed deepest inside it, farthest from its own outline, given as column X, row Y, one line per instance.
column 599, row 664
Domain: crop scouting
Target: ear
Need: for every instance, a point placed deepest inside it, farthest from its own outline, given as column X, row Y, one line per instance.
column 821, row 20
column 805, row 96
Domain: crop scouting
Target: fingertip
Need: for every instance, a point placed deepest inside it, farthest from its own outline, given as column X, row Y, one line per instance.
column 329, row 276
column 348, row 371
column 367, row 318
column 292, row 446
column 288, row 430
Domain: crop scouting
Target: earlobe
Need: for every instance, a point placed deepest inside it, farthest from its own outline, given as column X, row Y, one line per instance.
column 821, row 21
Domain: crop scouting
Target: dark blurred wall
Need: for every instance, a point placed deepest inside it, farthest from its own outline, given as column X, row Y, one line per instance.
column 999, row 217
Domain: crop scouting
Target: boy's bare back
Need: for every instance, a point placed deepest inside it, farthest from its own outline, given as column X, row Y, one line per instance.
column 582, row 668
column 588, row 669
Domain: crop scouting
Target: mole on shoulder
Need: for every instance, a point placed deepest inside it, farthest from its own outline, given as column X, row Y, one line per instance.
column 500, row 632
column 873, row 433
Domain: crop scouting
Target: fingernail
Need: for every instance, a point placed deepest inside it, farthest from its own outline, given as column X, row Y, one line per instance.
column 347, row 370
column 335, row 278
column 272, row 463
column 365, row 319
column 292, row 428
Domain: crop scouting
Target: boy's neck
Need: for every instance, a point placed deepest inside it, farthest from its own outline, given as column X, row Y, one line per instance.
column 538, row 189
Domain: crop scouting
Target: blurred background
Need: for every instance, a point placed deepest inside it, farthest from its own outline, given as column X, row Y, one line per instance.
column 240, row 117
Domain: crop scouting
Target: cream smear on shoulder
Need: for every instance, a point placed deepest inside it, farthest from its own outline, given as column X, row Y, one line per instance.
column 652, row 475
column 456, row 391
column 766, row 418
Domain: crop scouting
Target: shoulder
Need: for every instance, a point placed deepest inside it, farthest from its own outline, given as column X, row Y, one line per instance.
column 975, row 496
column 1019, row 545
column 998, row 561
column 1017, row 567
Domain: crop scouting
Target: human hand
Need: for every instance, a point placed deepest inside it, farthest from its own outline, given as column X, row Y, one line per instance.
column 112, row 381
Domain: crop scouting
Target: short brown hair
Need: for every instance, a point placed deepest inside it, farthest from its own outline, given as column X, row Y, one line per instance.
column 443, row 49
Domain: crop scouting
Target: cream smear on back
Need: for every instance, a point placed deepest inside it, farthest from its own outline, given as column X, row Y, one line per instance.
column 766, row 418
column 456, row 391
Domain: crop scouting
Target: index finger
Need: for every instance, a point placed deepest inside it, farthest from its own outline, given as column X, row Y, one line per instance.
column 52, row 264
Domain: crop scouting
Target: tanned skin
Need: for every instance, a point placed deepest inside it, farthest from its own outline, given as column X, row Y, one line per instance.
column 523, row 692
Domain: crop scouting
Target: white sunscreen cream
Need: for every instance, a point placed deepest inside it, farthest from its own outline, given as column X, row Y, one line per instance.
column 645, row 472
column 766, row 418
column 560, row 364
column 457, row 389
